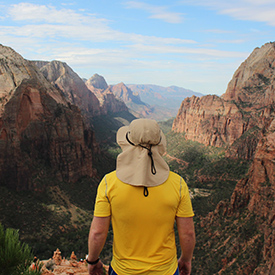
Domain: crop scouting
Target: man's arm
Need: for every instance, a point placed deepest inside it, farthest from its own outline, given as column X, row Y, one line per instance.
column 187, row 239
column 97, row 237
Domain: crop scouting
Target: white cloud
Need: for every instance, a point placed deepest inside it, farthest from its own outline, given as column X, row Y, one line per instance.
column 254, row 13
column 85, row 42
column 252, row 10
column 46, row 21
column 167, row 49
column 157, row 12
column 42, row 13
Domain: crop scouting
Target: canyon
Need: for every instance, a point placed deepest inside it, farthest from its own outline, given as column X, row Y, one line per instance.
column 47, row 131
column 239, row 231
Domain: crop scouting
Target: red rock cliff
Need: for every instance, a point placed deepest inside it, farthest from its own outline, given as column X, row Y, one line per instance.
column 244, row 225
column 41, row 134
column 245, row 108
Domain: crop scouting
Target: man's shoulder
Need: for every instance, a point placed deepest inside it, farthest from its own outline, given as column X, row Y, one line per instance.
column 176, row 178
column 111, row 176
column 174, row 175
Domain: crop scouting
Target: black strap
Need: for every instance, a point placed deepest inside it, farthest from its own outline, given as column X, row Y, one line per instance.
column 94, row 262
column 150, row 153
column 129, row 139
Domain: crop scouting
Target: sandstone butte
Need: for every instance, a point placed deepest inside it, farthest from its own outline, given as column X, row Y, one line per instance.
column 40, row 131
column 235, row 119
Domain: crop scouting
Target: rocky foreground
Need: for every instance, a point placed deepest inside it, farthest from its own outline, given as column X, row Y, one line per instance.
column 62, row 266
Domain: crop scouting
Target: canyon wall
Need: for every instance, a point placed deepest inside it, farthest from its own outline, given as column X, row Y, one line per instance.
column 42, row 135
column 240, row 233
column 236, row 118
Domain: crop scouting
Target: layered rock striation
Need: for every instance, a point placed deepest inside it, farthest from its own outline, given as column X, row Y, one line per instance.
column 235, row 119
column 42, row 135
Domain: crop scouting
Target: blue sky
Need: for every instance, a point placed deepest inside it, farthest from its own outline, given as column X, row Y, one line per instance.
column 194, row 44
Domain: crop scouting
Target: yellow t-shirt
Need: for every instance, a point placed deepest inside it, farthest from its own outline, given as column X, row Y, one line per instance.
column 143, row 227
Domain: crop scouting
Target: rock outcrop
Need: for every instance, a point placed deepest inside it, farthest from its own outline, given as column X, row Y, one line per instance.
column 109, row 103
column 74, row 89
column 122, row 91
column 245, row 108
column 41, row 134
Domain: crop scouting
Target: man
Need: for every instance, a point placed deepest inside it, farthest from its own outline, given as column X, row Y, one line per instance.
column 142, row 199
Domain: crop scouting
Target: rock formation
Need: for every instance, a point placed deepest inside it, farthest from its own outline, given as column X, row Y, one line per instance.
column 243, row 119
column 98, row 82
column 122, row 91
column 244, row 109
column 133, row 101
column 73, row 88
column 109, row 103
column 41, row 134
column 245, row 224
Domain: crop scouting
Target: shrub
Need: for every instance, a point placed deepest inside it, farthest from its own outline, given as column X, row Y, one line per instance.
column 15, row 257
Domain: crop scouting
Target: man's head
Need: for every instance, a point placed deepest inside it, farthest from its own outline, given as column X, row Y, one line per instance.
column 142, row 144
column 144, row 131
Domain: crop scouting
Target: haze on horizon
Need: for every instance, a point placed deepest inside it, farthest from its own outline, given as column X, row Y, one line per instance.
column 196, row 44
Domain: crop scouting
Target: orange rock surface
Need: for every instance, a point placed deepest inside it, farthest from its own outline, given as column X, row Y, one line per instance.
column 66, row 267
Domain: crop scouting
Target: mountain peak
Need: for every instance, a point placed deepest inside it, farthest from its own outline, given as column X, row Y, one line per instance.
column 126, row 94
column 97, row 81
column 253, row 81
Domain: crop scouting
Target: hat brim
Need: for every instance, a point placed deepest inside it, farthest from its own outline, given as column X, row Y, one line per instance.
column 134, row 164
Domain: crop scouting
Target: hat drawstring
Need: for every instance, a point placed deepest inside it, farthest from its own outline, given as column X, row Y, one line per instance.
column 150, row 154
column 145, row 191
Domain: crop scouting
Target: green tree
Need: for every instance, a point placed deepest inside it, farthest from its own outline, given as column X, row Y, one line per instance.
column 15, row 256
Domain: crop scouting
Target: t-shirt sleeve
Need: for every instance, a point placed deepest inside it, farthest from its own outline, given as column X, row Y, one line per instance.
column 185, row 208
column 102, row 204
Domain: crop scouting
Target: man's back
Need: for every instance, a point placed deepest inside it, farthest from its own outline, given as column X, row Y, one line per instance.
column 143, row 222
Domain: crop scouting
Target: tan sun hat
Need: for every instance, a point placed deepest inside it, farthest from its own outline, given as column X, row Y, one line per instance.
column 141, row 162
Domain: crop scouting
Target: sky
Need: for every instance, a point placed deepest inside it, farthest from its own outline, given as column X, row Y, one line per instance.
column 194, row 44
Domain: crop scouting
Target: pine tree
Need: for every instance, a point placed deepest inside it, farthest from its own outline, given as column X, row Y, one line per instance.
column 15, row 256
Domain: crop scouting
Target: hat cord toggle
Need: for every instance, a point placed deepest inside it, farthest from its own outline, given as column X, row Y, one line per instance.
column 150, row 154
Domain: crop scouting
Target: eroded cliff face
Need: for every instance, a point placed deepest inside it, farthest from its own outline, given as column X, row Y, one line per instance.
column 245, row 108
column 209, row 120
column 41, row 134
column 245, row 225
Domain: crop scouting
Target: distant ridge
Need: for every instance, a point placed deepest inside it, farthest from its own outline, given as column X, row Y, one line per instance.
column 169, row 97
